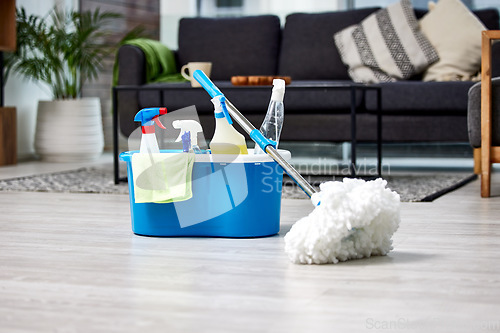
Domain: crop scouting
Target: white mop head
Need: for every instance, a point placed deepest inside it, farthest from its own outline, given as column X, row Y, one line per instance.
column 355, row 219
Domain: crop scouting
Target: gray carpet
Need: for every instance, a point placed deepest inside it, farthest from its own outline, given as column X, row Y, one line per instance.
column 411, row 188
column 94, row 180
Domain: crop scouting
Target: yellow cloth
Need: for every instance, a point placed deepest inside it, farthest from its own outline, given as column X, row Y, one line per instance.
column 162, row 178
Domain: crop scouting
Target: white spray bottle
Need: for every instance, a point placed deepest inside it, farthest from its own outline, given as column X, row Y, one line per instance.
column 148, row 117
column 226, row 140
column 191, row 126
column 273, row 122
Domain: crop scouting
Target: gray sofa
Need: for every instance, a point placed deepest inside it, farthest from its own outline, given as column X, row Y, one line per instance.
column 304, row 49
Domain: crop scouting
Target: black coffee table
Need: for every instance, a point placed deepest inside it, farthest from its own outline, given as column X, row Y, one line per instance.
column 355, row 91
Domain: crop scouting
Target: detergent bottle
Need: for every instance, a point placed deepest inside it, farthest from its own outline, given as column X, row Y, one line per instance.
column 226, row 139
column 148, row 117
column 273, row 122
column 193, row 128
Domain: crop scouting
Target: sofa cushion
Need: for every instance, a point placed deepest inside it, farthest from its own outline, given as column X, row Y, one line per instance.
column 307, row 51
column 235, row 46
column 489, row 17
column 420, row 98
column 386, row 46
column 456, row 34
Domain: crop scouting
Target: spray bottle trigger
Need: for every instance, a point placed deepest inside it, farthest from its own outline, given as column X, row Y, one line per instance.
column 158, row 122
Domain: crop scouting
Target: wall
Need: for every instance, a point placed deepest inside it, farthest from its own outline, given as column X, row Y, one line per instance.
column 134, row 13
column 173, row 10
column 144, row 13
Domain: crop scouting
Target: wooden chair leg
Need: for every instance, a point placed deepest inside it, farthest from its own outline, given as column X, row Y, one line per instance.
column 477, row 161
column 486, row 37
column 482, row 166
column 485, row 181
column 485, row 167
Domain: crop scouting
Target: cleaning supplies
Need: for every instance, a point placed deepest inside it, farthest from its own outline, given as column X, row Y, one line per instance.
column 226, row 139
column 264, row 143
column 273, row 122
column 356, row 219
column 193, row 128
column 162, row 178
column 148, row 117
column 366, row 214
column 159, row 177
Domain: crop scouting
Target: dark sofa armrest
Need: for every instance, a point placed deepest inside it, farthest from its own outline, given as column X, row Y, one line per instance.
column 131, row 66
column 495, row 59
column 131, row 72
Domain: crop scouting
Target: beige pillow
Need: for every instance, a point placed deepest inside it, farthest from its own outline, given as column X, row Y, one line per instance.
column 386, row 46
column 456, row 35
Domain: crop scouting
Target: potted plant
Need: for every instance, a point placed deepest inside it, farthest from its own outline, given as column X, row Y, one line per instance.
column 63, row 50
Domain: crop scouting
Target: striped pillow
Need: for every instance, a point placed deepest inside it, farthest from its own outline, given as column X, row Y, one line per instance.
column 386, row 46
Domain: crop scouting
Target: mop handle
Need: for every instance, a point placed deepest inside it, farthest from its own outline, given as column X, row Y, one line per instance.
column 247, row 126
column 271, row 151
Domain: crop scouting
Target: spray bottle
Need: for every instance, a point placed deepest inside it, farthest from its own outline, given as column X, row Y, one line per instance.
column 226, row 139
column 189, row 128
column 148, row 117
column 273, row 122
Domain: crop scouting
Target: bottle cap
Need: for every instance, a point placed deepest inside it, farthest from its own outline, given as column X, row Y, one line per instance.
column 278, row 90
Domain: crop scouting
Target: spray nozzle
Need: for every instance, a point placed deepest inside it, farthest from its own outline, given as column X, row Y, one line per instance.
column 278, row 90
column 148, row 115
column 191, row 126
column 220, row 106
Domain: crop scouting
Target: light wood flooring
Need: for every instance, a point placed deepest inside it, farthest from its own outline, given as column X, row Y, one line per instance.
column 70, row 263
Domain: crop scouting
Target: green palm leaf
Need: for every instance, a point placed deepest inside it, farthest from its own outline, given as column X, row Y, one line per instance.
column 63, row 50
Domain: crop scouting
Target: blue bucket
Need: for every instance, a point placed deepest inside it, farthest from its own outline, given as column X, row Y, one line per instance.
column 232, row 197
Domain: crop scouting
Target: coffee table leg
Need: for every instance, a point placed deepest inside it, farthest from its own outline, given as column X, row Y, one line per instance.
column 379, row 132
column 116, row 165
column 353, row 132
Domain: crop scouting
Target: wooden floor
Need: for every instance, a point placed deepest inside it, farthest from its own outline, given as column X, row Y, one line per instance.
column 70, row 263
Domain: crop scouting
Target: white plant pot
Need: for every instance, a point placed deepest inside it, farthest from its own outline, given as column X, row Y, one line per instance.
column 107, row 125
column 69, row 130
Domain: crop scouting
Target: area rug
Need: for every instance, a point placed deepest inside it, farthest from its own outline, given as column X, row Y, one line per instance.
column 411, row 188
